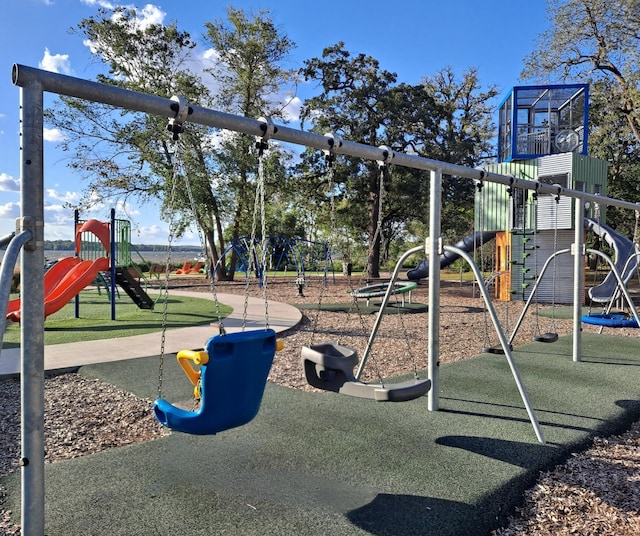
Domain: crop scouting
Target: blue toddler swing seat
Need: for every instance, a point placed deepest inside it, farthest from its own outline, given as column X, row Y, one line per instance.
column 230, row 382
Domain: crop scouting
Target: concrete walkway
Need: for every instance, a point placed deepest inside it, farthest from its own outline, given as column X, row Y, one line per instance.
column 60, row 356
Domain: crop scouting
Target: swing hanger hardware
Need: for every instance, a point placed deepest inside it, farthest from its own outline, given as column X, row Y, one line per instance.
column 182, row 109
column 557, row 198
column 334, row 142
column 268, row 128
column 387, row 155
column 535, row 192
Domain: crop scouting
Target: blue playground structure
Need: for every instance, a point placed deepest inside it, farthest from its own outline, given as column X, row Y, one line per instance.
column 282, row 254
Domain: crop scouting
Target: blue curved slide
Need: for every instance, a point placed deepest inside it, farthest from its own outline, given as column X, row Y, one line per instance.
column 468, row 243
column 624, row 249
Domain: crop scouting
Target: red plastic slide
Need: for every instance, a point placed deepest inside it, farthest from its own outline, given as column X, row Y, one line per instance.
column 77, row 278
column 52, row 277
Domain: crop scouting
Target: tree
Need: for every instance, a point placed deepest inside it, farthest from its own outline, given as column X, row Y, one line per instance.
column 125, row 154
column 353, row 105
column 442, row 118
column 250, row 52
column 597, row 41
column 455, row 126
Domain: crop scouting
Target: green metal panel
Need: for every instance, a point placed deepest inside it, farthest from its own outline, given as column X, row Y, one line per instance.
column 492, row 204
column 123, row 243
column 592, row 172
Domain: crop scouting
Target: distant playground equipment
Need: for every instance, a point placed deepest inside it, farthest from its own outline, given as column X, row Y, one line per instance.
column 115, row 238
column 533, row 229
column 469, row 243
column 191, row 268
column 381, row 289
column 282, row 253
column 95, row 260
column 626, row 255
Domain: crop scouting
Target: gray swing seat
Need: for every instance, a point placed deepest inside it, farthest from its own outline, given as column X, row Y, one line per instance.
column 329, row 366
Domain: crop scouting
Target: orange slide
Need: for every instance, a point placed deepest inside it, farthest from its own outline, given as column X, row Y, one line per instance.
column 52, row 277
column 73, row 281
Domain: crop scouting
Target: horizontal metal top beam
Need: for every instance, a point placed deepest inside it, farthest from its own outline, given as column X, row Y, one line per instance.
column 24, row 76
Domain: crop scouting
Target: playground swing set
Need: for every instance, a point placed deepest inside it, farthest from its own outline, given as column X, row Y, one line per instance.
column 229, row 376
column 330, row 365
column 224, row 350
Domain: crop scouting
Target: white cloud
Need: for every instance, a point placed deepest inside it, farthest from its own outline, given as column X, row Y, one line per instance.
column 54, row 135
column 66, row 197
column 58, row 222
column 99, row 3
column 150, row 15
column 292, row 108
column 147, row 16
column 8, row 183
column 122, row 207
column 57, row 63
column 10, row 210
column 211, row 54
column 151, row 234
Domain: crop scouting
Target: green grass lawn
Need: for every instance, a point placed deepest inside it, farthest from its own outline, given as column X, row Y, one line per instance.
column 95, row 319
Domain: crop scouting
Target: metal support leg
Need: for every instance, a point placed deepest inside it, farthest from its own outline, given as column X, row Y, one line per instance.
column 32, row 317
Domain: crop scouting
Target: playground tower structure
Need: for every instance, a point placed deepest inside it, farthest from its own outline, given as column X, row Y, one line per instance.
column 542, row 136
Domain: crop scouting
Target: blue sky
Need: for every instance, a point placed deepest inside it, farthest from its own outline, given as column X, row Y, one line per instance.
column 414, row 38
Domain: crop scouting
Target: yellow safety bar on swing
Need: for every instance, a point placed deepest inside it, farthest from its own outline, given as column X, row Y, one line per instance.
column 187, row 359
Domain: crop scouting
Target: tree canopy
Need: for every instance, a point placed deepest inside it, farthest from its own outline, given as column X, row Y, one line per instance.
column 598, row 42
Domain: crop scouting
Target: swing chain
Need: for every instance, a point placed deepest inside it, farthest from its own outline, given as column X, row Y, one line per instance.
column 555, row 266
column 268, row 129
column 383, row 168
column 263, row 246
column 333, row 141
column 175, row 126
column 165, row 293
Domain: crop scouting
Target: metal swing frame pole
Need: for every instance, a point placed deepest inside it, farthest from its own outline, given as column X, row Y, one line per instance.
column 578, row 251
column 433, row 248
column 32, row 318
column 503, row 340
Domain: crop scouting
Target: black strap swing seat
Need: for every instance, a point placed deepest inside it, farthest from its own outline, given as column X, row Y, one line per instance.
column 546, row 337
column 230, row 382
column 329, row 366
column 497, row 349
